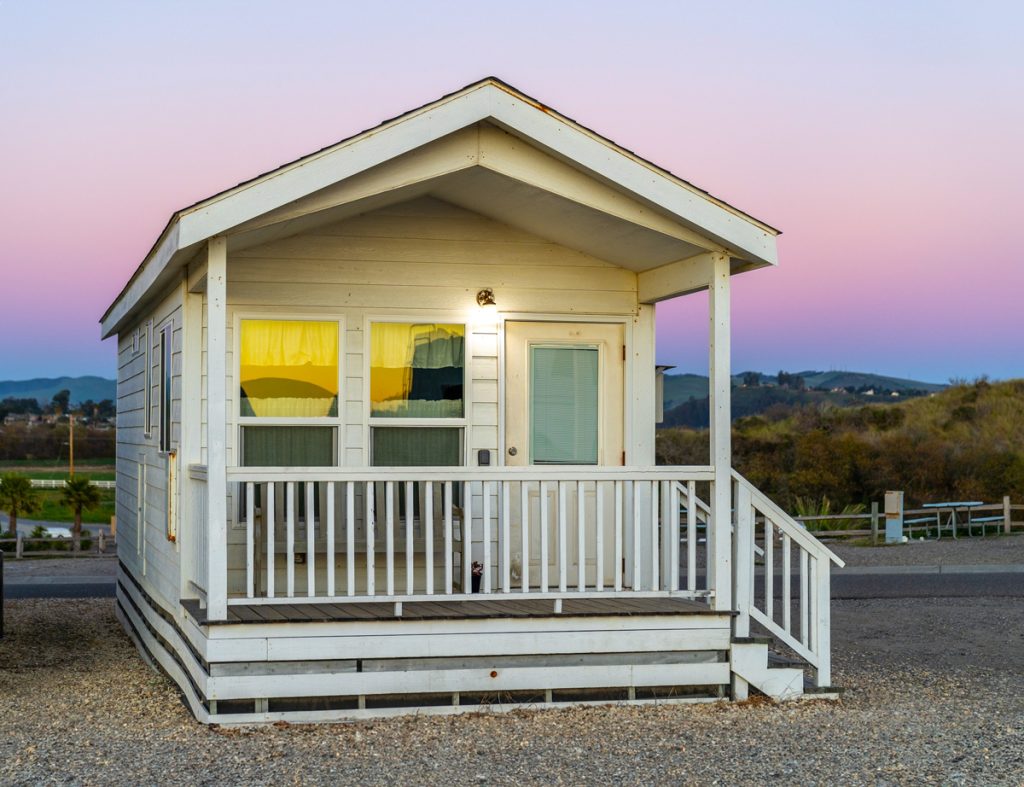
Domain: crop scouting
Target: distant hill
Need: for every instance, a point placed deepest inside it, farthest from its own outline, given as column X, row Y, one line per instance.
column 43, row 388
column 686, row 395
column 963, row 443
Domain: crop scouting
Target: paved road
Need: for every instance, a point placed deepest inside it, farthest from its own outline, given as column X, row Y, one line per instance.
column 914, row 583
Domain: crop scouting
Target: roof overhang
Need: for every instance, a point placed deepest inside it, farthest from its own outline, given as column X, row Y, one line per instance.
column 491, row 149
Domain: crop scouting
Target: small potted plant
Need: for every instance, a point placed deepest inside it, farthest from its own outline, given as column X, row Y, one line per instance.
column 476, row 572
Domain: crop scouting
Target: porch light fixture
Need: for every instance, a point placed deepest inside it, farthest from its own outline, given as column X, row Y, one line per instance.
column 486, row 297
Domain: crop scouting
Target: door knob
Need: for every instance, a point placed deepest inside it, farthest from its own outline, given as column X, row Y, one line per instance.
column 512, row 451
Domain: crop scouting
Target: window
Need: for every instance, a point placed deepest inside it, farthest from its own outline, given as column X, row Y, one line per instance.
column 289, row 388
column 417, row 402
column 148, row 381
column 563, row 405
column 164, row 408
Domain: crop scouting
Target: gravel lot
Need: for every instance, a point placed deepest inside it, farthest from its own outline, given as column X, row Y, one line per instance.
column 963, row 551
column 935, row 694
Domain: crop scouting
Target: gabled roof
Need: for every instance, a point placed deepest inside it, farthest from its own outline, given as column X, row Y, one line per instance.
column 490, row 100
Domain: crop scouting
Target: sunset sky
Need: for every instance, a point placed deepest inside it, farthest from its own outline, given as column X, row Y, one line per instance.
column 885, row 139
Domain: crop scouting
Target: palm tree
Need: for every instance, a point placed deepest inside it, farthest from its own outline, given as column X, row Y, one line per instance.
column 17, row 496
column 79, row 493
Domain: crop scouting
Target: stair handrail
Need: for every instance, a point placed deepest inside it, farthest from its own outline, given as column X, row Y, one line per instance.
column 787, row 523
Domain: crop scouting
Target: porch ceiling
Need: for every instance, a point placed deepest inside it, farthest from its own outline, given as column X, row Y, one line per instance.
column 525, row 206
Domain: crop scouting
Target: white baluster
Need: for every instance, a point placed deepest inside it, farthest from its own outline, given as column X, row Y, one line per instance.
column 691, row 536
column 506, row 568
column 563, row 566
column 524, row 525
column 250, row 516
column 410, row 509
column 428, row 535
column 389, row 534
column 310, row 541
column 618, row 568
column 371, row 538
column 269, row 519
column 331, row 556
column 599, row 535
column 290, row 536
column 350, row 536
column 447, row 504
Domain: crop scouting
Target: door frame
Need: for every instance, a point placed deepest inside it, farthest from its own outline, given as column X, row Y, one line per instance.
column 627, row 323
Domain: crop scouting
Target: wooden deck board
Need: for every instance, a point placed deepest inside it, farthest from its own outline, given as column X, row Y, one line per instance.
column 437, row 609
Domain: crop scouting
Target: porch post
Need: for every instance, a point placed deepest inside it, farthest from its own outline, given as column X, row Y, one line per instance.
column 216, row 429
column 720, row 390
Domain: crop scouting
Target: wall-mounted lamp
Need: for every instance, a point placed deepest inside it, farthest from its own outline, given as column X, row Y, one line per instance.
column 486, row 297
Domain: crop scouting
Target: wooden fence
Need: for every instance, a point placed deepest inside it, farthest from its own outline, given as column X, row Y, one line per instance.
column 875, row 520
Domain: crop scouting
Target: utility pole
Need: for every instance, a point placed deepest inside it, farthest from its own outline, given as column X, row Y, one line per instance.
column 71, row 445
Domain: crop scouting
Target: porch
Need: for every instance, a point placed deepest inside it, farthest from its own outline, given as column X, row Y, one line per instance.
column 367, row 546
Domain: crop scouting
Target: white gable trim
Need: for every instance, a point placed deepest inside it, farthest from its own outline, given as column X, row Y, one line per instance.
column 490, row 100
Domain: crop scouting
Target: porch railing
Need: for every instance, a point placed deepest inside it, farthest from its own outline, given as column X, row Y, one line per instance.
column 802, row 622
column 335, row 535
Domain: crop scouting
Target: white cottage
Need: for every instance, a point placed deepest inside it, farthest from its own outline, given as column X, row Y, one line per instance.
column 386, row 435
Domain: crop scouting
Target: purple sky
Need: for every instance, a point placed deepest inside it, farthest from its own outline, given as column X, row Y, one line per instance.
column 885, row 139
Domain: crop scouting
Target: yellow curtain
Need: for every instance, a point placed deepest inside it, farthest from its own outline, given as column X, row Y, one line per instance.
column 397, row 349
column 289, row 367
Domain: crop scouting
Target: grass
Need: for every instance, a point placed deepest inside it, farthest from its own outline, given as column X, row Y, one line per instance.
column 52, row 510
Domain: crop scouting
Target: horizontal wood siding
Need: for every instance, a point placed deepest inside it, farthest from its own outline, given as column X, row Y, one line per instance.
column 423, row 259
column 145, row 550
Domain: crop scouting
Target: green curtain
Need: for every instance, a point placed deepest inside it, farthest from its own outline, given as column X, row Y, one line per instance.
column 288, row 446
column 416, row 447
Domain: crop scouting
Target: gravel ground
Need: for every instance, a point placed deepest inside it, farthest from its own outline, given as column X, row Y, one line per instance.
column 60, row 567
column 963, row 551
column 935, row 694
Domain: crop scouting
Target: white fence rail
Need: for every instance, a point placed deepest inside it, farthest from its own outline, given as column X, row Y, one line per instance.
column 397, row 535
column 60, row 483
column 802, row 622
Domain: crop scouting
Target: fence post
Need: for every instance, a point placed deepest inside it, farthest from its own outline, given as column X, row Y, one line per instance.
column 101, row 542
column 874, row 523
column 1006, row 514
column 19, row 547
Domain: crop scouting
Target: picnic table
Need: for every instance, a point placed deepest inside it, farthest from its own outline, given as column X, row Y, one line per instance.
column 958, row 510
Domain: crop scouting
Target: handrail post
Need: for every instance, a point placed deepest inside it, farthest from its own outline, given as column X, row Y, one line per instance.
column 1006, row 515
column 874, row 523
column 743, row 567
column 823, row 623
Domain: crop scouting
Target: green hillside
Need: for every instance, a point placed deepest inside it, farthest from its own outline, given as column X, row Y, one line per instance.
column 966, row 442
column 686, row 395
column 43, row 388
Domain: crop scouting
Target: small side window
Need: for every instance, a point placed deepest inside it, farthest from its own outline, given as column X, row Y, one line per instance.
column 165, row 389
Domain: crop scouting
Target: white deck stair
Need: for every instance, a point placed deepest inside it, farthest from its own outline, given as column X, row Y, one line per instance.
column 750, row 667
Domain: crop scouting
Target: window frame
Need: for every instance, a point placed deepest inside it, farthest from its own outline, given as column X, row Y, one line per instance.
column 463, row 423
column 165, row 363
column 337, row 422
column 147, row 382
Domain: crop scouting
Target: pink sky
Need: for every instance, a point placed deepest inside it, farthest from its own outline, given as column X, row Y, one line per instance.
column 884, row 139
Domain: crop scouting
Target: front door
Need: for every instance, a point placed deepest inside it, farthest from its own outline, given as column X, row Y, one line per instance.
column 564, row 406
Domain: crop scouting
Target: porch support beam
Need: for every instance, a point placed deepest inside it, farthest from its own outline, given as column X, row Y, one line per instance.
column 676, row 278
column 216, row 428
column 720, row 391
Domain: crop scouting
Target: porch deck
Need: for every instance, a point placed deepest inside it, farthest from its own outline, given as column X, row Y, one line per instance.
column 447, row 610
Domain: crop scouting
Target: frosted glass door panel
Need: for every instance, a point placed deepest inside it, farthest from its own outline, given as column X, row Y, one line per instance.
column 564, row 405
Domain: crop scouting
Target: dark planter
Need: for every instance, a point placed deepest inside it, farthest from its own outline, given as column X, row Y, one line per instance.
column 474, row 583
